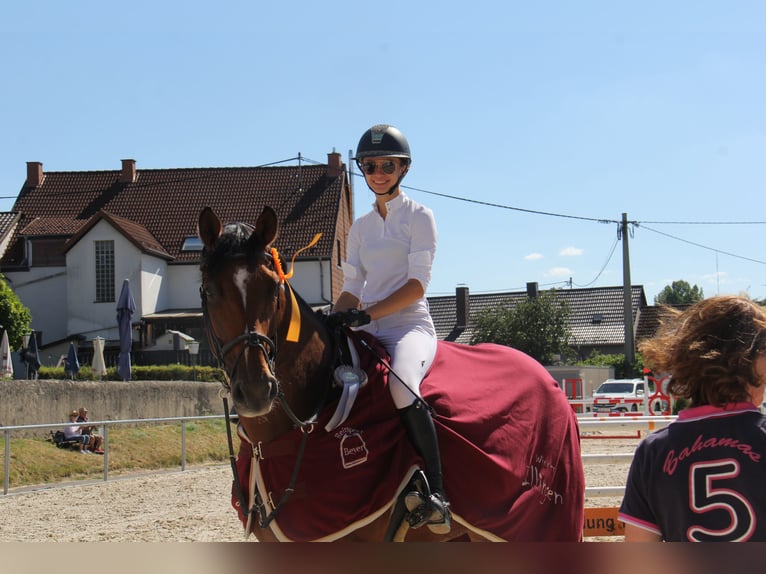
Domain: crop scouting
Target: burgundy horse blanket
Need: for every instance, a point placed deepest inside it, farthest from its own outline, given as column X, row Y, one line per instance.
column 509, row 443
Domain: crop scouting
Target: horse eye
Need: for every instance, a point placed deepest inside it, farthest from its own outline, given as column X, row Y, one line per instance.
column 207, row 292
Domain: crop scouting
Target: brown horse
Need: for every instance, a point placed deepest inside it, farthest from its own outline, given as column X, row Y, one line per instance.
column 509, row 439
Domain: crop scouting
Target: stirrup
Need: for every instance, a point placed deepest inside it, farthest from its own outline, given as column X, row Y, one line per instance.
column 432, row 511
column 440, row 521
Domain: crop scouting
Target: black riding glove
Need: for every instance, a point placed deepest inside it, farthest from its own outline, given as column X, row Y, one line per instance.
column 350, row 318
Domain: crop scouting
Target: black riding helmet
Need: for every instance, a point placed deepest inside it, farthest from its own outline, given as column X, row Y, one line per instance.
column 383, row 140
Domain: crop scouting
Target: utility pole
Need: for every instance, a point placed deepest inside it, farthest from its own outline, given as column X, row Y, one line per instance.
column 627, row 290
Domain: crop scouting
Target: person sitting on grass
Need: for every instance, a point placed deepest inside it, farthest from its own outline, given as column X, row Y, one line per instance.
column 74, row 432
column 94, row 438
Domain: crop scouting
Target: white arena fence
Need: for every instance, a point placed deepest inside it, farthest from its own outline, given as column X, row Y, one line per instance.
column 103, row 427
column 653, row 405
column 612, row 425
column 587, row 423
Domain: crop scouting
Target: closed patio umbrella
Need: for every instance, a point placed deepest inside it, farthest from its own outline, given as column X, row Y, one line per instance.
column 98, row 365
column 72, row 362
column 125, row 309
column 6, row 364
column 33, row 357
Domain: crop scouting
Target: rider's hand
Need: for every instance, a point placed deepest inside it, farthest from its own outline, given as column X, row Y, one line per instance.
column 350, row 318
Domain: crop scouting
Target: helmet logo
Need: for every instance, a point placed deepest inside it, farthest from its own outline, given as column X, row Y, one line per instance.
column 377, row 133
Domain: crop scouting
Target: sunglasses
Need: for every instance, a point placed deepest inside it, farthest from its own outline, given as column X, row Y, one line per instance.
column 388, row 167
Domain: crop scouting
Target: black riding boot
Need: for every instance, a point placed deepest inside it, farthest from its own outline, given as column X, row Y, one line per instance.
column 434, row 510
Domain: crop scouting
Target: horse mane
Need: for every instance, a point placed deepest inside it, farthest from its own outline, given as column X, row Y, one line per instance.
column 229, row 245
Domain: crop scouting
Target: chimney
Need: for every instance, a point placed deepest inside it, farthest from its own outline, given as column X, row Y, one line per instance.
column 334, row 165
column 532, row 290
column 128, row 173
column 462, row 303
column 34, row 173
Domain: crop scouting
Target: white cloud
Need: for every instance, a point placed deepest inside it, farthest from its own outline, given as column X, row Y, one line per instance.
column 571, row 251
column 559, row 272
column 533, row 257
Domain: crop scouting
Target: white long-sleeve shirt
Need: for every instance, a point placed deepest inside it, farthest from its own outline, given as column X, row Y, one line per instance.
column 383, row 254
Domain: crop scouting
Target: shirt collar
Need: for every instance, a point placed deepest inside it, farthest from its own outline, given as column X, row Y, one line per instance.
column 709, row 410
column 395, row 203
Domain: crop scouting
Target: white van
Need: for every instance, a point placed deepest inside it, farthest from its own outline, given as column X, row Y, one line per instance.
column 606, row 395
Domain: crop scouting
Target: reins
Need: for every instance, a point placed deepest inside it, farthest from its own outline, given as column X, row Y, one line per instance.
column 268, row 347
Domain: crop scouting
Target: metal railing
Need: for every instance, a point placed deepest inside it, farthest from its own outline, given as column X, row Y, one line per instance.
column 585, row 423
column 104, row 431
column 644, row 423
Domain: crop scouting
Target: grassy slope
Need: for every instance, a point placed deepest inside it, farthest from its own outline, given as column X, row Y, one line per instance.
column 131, row 449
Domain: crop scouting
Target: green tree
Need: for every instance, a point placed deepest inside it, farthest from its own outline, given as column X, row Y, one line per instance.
column 679, row 293
column 14, row 316
column 538, row 326
column 622, row 369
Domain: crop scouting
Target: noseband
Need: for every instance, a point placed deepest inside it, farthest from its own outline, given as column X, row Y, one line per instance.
column 250, row 338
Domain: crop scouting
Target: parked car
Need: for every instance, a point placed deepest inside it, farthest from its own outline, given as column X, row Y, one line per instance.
column 606, row 395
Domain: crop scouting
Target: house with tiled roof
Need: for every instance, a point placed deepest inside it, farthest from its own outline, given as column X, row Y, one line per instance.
column 74, row 236
column 596, row 314
column 651, row 318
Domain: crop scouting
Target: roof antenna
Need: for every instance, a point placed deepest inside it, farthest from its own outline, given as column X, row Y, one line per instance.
column 300, row 186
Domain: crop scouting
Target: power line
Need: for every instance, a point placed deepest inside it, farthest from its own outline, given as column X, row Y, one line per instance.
column 704, row 222
column 498, row 205
column 608, row 259
column 704, row 246
column 633, row 223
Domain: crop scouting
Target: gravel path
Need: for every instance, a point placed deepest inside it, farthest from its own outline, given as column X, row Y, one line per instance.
column 179, row 506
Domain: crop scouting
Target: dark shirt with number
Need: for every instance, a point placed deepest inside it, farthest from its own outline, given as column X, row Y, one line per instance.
column 702, row 478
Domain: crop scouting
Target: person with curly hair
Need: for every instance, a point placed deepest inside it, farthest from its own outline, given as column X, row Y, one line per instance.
column 701, row 479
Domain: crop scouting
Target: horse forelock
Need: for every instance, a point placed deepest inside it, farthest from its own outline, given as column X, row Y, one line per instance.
column 231, row 244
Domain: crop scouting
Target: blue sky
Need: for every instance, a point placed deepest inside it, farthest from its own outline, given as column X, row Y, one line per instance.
column 533, row 126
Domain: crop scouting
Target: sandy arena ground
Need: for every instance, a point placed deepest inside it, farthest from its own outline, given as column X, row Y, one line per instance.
column 180, row 506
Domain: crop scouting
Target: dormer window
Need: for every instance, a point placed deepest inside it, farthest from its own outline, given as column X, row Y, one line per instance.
column 192, row 243
column 47, row 251
column 597, row 318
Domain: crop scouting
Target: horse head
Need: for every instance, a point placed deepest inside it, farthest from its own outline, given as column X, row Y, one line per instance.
column 251, row 311
column 240, row 296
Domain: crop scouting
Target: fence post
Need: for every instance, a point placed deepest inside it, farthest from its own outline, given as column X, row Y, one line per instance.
column 7, row 465
column 183, row 445
column 106, row 452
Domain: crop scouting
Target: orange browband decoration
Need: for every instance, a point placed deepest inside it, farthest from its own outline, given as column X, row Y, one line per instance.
column 294, row 330
column 278, row 262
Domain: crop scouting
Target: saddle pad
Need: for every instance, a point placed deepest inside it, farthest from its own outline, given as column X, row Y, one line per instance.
column 505, row 432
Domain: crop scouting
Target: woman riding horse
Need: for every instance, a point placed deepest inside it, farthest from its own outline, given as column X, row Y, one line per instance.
column 508, row 437
column 386, row 273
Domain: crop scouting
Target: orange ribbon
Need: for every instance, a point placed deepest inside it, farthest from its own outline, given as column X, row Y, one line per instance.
column 294, row 330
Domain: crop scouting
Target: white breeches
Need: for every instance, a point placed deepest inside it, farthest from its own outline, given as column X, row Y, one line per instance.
column 412, row 348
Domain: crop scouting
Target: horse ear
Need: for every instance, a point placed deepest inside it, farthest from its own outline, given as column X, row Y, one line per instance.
column 208, row 227
column 267, row 225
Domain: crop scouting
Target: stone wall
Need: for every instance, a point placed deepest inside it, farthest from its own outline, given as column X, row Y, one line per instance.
column 24, row 402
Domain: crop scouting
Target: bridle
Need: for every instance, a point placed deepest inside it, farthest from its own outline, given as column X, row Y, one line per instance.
column 268, row 347
column 251, row 338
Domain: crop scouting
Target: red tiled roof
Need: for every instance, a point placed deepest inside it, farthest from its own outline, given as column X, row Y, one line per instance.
column 135, row 232
column 162, row 206
column 7, row 222
column 650, row 319
column 52, row 226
